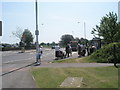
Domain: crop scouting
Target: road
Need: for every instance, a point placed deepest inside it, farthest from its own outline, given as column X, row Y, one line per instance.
column 15, row 67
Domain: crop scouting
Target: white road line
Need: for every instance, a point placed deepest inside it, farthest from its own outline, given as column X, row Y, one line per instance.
column 74, row 52
column 33, row 78
column 18, row 60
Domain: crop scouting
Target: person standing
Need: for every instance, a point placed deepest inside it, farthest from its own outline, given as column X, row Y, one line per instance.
column 57, row 49
column 39, row 54
column 67, row 49
column 79, row 50
column 70, row 50
column 84, row 50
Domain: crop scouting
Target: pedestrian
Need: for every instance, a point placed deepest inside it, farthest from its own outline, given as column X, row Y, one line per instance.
column 67, row 49
column 57, row 49
column 84, row 50
column 92, row 49
column 39, row 54
column 70, row 50
column 79, row 50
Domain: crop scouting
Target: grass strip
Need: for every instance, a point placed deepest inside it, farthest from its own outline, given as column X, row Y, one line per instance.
column 97, row 77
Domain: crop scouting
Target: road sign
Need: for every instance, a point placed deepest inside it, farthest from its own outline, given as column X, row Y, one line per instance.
column 36, row 32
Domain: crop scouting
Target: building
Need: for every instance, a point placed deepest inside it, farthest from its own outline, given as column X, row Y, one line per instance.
column 119, row 11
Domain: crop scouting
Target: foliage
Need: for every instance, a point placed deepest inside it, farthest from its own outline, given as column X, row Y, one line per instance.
column 53, row 43
column 106, row 53
column 83, row 41
column 27, row 37
column 18, row 33
column 108, row 29
column 65, row 39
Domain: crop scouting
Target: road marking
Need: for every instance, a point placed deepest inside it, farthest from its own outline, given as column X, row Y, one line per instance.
column 33, row 77
column 17, row 60
column 74, row 52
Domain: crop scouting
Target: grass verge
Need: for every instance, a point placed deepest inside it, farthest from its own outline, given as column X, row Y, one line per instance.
column 75, row 60
column 99, row 77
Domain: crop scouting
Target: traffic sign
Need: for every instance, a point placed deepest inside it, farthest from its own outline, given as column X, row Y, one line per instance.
column 36, row 32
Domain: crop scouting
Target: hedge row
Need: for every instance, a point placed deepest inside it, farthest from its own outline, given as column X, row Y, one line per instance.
column 106, row 53
column 14, row 48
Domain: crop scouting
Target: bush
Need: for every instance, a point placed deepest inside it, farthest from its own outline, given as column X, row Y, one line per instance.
column 10, row 48
column 106, row 53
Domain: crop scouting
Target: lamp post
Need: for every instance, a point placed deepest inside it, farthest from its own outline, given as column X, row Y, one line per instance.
column 119, row 11
column 36, row 31
column 84, row 29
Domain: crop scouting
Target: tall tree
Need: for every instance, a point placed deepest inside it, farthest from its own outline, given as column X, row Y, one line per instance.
column 27, row 37
column 65, row 39
column 107, row 29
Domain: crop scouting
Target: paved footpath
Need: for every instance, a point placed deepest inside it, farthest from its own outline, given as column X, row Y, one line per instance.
column 74, row 65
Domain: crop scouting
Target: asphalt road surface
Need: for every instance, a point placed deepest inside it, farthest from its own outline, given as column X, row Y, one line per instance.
column 15, row 67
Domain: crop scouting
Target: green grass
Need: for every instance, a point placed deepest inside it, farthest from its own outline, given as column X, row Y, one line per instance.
column 75, row 60
column 99, row 77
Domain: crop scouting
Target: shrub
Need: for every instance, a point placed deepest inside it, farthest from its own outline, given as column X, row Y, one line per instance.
column 106, row 53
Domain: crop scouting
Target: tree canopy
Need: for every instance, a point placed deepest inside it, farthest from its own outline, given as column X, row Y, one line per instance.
column 65, row 39
column 27, row 37
column 108, row 29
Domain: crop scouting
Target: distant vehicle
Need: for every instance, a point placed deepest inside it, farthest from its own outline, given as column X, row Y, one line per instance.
column 1, row 46
column 74, row 45
column 53, row 47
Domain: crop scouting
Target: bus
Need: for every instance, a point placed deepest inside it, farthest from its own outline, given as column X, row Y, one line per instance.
column 74, row 45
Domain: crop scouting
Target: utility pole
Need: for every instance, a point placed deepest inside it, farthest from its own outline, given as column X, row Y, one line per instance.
column 119, row 12
column 85, row 30
column 36, row 31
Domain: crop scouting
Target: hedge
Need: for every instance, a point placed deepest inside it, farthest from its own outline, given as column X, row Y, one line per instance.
column 106, row 53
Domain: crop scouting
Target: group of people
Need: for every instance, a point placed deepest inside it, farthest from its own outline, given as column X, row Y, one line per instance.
column 81, row 48
column 60, row 54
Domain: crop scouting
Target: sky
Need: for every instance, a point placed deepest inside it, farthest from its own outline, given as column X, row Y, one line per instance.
column 54, row 18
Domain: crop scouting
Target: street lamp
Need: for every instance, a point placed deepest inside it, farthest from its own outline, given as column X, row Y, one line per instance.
column 119, row 11
column 36, row 31
column 84, row 29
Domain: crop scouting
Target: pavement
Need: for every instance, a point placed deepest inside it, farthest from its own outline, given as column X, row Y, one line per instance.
column 50, row 65
column 18, row 79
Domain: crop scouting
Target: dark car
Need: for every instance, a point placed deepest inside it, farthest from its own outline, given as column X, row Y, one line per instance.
column 53, row 47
